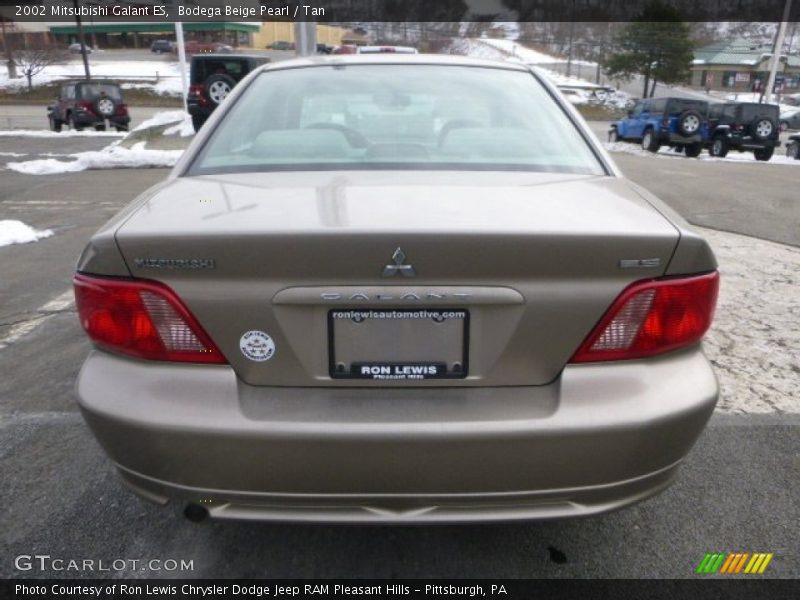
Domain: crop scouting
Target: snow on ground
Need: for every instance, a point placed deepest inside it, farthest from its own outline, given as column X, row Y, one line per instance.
column 110, row 157
column 667, row 152
column 528, row 55
column 163, row 118
column 509, row 50
column 183, row 129
column 160, row 77
column 755, row 337
column 16, row 232
column 46, row 133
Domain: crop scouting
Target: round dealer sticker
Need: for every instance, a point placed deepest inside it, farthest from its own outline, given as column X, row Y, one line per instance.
column 257, row 345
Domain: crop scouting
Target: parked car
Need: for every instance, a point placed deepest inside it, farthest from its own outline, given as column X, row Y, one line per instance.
column 744, row 127
column 281, row 45
column 161, row 46
column 212, row 77
column 679, row 123
column 76, row 48
column 789, row 119
column 321, row 338
column 195, row 47
column 82, row 104
column 346, row 49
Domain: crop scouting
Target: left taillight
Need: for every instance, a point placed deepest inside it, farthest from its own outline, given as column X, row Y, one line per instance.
column 141, row 318
column 653, row 317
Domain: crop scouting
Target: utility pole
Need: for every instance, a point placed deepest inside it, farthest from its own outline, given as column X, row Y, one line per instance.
column 305, row 35
column 776, row 53
column 182, row 61
column 571, row 35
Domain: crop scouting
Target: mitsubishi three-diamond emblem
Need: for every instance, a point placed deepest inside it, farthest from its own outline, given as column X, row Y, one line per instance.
column 399, row 267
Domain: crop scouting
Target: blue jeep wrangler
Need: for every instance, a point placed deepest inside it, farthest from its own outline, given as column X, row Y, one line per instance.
column 680, row 123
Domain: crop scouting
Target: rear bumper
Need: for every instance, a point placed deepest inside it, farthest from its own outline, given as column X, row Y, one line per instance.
column 750, row 143
column 83, row 118
column 676, row 138
column 600, row 437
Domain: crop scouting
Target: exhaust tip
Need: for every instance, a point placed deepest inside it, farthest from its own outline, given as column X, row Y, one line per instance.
column 195, row 513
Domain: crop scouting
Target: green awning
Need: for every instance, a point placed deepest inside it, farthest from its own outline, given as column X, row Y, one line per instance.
column 153, row 27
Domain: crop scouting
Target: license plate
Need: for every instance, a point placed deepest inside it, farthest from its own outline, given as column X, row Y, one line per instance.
column 398, row 344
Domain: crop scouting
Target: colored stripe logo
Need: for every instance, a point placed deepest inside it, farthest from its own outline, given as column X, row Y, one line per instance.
column 732, row 563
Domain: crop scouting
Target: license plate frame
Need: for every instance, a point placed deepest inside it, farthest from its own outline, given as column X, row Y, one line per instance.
column 392, row 369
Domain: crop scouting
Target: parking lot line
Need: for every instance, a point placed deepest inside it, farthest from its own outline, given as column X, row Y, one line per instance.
column 42, row 314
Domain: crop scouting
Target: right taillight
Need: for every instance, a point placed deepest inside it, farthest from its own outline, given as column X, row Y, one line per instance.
column 141, row 318
column 652, row 317
column 199, row 92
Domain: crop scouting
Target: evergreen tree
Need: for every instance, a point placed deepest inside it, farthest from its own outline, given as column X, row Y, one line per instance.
column 656, row 45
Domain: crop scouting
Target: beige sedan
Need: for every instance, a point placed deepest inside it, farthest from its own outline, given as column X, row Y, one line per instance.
column 396, row 288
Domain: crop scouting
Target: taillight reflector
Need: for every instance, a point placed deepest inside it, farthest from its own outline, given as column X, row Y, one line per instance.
column 652, row 317
column 141, row 318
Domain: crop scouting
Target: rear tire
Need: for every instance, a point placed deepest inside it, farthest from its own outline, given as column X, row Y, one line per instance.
column 649, row 141
column 72, row 125
column 693, row 150
column 793, row 150
column 613, row 136
column 763, row 153
column 99, row 127
column 719, row 147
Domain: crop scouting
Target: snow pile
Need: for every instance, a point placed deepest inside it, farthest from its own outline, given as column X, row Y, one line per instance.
column 180, row 121
column 160, row 77
column 16, row 232
column 667, row 152
column 756, row 327
column 162, row 118
column 111, row 157
column 528, row 55
column 183, row 129
column 511, row 51
column 46, row 133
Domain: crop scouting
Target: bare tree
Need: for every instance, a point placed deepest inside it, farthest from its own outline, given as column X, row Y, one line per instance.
column 33, row 59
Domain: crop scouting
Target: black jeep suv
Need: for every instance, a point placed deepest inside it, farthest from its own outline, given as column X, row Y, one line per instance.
column 743, row 126
column 213, row 76
column 89, row 104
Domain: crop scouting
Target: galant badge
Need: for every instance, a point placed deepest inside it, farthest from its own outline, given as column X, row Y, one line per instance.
column 399, row 267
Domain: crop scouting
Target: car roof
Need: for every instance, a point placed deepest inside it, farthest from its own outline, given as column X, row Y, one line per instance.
column 226, row 56
column 393, row 59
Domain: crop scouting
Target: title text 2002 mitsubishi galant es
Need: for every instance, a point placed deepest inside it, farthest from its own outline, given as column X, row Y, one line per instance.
column 396, row 289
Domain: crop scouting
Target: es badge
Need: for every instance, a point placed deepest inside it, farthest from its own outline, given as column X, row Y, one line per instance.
column 257, row 345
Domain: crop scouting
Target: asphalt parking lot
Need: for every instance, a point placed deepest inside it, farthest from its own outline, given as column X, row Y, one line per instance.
column 738, row 490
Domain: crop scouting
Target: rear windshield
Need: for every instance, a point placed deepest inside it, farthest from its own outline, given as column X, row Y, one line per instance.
column 396, row 117
column 751, row 111
column 678, row 105
column 204, row 68
column 93, row 90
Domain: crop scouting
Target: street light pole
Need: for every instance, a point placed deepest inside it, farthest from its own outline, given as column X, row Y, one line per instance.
column 776, row 54
column 181, row 61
